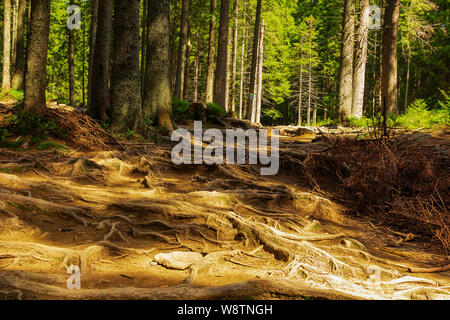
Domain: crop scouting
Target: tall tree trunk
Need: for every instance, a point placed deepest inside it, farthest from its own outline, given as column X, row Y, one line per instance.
column 187, row 68
column 309, row 79
column 251, row 98
column 234, row 67
column 243, row 58
column 260, row 75
column 36, row 76
column 389, row 58
column 125, row 78
column 222, row 53
column 93, row 34
column 346, row 75
column 6, row 79
column 157, row 102
column 300, row 89
column 15, row 7
column 101, row 99
column 19, row 69
column 359, row 75
column 71, row 62
column 144, row 43
column 197, row 67
column 408, row 70
column 227, row 73
column 179, row 81
column 211, row 53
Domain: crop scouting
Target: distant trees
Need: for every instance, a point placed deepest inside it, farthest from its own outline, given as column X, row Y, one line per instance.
column 19, row 62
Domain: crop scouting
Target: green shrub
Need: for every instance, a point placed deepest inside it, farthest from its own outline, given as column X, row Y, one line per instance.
column 359, row 123
column 179, row 107
column 271, row 116
column 215, row 109
column 419, row 116
column 13, row 94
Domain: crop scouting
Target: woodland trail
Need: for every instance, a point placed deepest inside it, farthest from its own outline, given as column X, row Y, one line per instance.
column 267, row 238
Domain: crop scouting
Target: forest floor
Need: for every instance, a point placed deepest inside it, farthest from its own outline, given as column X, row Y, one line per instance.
column 111, row 212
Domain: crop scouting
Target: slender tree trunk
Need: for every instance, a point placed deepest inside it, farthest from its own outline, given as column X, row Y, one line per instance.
column 101, row 99
column 179, row 81
column 408, row 70
column 197, row 67
column 260, row 74
column 93, row 33
column 309, row 80
column 251, row 98
column 6, row 80
column 315, row 114
column 359, row 75
column 389, row 58
column 227, row 77
column 211, row 53
column 19, row 69
column 71, row 62
column 125, row 78
column 15, row 6
column 300, row 90
column 187, row 68
column 234, row 67
column 36, row 76
column 157, row 102
column 222, row 53
column 346, row 75
column 144, row 43
column 243, row 58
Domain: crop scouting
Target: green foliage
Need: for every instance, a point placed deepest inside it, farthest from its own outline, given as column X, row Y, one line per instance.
column 179, row 107
column 51, row 145
column 13, row 94
column 215, row 109
column 359, row 123
column 129, row 134
column 39, row 127
column 418, row 115
column 271, row 116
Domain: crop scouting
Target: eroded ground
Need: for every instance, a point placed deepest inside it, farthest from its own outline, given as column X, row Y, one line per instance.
column 111, row 212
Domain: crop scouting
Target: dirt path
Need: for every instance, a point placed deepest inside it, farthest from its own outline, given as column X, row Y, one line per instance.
column 111, row 213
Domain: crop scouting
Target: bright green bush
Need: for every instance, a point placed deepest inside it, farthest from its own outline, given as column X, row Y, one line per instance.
column 419, row 116
column 179, row 106
column 13, row 94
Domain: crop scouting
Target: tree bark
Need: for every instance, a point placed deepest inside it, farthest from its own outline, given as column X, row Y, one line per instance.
column 36, row 76
column 6, row 76
column 187, row 67
column 243, row 57
column 101, row 99
column 222, row 54
column 389, row 58
column 19, row 65
column 144, row 43
column 179, row 81
column 234, row 67
column 260, row 75
column 71, row 62
column 157, row 101
column 211, row 53
column 251, row 98
column 346, row 75
column 125, row 78
column 197, row 67
column 359, row 75
column 93, row 33
column 300, row 90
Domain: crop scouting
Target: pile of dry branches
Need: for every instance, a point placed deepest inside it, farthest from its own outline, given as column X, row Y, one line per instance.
column 395, row 176
column 82, row 131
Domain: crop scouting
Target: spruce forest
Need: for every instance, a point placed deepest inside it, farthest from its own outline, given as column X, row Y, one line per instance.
column 224, row 149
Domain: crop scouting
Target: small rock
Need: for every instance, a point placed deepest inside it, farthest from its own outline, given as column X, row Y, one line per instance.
column 177, row 259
